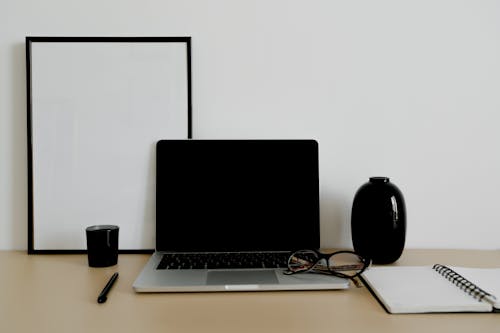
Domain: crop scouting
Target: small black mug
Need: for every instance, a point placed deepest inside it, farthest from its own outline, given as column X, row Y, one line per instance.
column 102, row 245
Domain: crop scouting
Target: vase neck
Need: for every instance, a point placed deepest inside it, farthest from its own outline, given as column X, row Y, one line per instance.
column 379, row 180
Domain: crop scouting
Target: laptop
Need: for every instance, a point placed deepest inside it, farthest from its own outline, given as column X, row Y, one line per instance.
column 230, row 212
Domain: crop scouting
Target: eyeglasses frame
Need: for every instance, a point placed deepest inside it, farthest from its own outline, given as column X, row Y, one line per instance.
column 366, row 263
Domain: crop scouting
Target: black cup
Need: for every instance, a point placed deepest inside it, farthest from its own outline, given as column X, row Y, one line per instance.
column 102, row 245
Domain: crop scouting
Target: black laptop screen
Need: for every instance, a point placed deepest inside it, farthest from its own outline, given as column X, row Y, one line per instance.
column 237, row 195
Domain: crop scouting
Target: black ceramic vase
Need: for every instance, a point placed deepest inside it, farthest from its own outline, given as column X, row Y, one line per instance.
column 378, row 221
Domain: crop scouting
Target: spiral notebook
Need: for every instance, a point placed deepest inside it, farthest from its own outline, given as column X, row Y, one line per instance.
column 438, row 288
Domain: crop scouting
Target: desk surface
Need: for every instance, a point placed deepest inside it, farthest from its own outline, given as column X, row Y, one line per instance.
column 57, row 293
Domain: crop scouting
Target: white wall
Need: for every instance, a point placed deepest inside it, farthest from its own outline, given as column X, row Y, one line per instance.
column 405, row 89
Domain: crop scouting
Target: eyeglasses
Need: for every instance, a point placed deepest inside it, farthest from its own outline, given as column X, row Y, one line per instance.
column 346, row 264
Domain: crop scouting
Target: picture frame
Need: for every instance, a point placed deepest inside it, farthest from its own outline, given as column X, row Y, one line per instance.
column 96, row 106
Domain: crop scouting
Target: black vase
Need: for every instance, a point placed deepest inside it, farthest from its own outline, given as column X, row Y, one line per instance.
column 378, row 221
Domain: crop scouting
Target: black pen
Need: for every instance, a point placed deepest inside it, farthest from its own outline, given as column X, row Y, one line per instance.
column 103, row 295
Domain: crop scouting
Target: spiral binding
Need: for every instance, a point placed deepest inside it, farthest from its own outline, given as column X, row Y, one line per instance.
column 461, row 282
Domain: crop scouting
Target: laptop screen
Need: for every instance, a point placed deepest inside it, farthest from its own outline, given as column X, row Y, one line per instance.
column 237, row 195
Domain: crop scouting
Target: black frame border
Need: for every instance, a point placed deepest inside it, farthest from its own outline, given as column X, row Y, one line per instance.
column 29, row 40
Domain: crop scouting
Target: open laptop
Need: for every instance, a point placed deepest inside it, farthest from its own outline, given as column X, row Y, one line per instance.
column 230, row 212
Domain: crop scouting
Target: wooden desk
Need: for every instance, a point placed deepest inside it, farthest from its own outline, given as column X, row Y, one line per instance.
column 57, row 293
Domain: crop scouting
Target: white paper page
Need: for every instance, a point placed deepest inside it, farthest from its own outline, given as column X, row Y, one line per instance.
column 487, row 279
column 419, row 289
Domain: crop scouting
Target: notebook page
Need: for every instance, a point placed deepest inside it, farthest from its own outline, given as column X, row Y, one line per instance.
column 487, row 279
column 419, row 289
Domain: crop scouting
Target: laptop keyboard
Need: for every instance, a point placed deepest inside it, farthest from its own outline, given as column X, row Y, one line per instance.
column 224, row 260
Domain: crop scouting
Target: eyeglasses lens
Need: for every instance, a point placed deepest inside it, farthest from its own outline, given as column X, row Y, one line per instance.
column 346, row 263
column 302, row 261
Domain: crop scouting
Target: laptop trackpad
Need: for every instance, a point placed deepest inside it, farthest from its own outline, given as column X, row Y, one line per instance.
column 242, row 277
